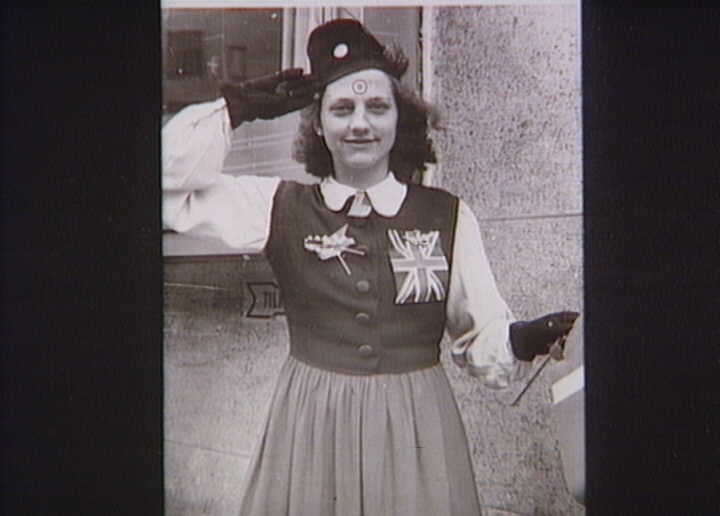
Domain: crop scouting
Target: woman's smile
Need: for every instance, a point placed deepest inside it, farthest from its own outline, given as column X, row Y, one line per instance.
column 360, row 141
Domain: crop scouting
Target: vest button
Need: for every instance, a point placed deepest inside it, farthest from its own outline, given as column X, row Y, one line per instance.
column 362, row 317
column 363, row 286
column 365, row 350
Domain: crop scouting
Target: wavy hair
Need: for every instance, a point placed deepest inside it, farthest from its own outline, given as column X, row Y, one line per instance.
column 412, row 150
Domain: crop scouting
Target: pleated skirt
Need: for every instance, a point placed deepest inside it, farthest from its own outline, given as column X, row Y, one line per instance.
column 347, row 445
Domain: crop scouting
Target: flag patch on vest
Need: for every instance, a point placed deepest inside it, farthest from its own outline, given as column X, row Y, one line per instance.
column 419, row 266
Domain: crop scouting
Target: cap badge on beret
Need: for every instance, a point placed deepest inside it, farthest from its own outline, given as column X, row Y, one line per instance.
column 340, row 50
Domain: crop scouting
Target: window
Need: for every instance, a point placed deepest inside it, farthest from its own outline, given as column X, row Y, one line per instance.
column 202, row 47
column 184, row 55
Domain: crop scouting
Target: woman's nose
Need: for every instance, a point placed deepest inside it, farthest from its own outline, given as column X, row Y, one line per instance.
column 359, row 123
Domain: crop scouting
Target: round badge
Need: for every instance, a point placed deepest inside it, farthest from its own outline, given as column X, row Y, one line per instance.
column 359, row 87
column 340, row 50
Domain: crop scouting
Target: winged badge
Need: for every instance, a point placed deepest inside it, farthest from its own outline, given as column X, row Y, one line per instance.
column 419, row 265
column 333, row 246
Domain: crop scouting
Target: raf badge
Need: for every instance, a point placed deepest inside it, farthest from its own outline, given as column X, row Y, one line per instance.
column 359, row 86
column 419, row 266
column 333, row 246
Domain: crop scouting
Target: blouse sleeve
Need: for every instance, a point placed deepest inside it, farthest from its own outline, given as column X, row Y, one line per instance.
column 197, row 198
column 478, row 318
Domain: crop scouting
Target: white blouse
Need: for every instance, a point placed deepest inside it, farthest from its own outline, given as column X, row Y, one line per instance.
column 199, row 200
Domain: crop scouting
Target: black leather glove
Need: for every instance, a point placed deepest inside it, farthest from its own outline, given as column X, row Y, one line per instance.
column 269, row 96
column 531, row 338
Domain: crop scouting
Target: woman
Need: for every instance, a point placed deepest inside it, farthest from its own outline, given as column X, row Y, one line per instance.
column 373, row 269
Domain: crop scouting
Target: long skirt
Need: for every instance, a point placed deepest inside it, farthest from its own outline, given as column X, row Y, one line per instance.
column 346, row 445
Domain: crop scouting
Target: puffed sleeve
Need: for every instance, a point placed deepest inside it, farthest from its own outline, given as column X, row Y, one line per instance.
column 197, row 198
column 478, row 318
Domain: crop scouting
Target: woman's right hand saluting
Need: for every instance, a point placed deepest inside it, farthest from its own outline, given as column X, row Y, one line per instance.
column 268, row 96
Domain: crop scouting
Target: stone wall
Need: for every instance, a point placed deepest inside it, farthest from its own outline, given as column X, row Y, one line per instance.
column 507, row 80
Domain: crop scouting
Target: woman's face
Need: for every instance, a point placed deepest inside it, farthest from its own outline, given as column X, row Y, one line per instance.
column 358, row 119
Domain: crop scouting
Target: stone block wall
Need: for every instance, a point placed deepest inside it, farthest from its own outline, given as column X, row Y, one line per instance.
column 507, row 80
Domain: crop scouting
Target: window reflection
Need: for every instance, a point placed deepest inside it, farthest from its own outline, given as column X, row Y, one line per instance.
column 204, row 46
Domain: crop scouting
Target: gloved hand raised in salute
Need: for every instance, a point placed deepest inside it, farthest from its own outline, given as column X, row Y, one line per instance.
column 531, row 338
column 268, row 96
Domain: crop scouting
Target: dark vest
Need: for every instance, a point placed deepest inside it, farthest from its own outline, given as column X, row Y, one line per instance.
column 388, row 314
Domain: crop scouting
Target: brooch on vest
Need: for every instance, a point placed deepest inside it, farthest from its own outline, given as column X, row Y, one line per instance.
column 419, row 266
column 333, row 246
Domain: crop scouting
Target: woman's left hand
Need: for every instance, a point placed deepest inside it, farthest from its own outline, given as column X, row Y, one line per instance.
column 532, row 338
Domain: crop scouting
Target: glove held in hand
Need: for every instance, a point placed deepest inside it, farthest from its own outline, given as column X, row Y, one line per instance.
column 531, row 338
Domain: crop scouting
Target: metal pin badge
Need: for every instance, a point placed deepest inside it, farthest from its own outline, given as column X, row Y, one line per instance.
column 340, row 50
column 333, row 246
column 359, row 87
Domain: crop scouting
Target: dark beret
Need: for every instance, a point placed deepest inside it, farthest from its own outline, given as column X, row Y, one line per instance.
column 343, row 46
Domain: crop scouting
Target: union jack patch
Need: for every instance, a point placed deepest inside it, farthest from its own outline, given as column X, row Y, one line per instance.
column 419, row 266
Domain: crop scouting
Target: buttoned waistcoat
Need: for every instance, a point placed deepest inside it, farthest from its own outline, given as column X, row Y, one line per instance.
column 385, row 310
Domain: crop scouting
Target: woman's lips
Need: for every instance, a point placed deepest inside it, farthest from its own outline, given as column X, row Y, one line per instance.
column 361, row 141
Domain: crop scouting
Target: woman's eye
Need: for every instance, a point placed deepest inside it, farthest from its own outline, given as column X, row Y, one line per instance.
column 341, row 109
column 378, row 107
